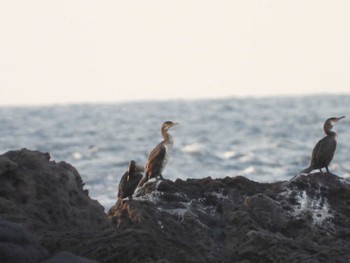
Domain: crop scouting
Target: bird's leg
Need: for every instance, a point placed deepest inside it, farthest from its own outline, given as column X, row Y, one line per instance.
column 327, row 169
column 321, row 171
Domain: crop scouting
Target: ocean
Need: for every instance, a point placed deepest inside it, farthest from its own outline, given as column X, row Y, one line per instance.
column 265, row 139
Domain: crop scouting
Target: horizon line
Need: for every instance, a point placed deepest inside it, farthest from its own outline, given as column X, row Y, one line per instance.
column 159, row 100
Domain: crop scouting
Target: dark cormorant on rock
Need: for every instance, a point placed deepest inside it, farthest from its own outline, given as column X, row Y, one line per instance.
column 130, row 180
column 159, row 156
column 323, row 151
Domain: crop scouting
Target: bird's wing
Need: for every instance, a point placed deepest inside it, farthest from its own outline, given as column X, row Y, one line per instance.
column 131, row 170
column 323, row 152
column 155, row 161
column 132, row 184
column 316, row 152
column 122, row 183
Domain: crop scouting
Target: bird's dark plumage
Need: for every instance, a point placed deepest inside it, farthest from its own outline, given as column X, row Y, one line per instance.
column 158, row 157
column 130, row 180
column 324, row 150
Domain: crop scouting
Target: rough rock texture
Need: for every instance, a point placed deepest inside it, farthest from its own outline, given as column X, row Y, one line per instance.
column 46, row 216
column 306, row 219
column 41, row 197
column 17, row 245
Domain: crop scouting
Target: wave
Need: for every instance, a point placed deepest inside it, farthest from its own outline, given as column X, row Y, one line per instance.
column 195, row 149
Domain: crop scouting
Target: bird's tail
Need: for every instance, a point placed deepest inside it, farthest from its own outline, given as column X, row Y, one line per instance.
column 306, row 171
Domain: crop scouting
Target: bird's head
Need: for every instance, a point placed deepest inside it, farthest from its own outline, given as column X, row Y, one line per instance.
column 329, row 123
column 135, row 168
column 168, row 124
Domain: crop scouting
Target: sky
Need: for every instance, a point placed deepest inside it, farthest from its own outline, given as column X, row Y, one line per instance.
column 72, row 51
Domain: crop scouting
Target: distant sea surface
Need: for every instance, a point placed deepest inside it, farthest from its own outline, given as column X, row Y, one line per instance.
column 264, row 139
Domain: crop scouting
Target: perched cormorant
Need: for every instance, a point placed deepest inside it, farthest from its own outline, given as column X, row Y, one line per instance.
column 323, row 151
column 159, row 156
column 130, row 180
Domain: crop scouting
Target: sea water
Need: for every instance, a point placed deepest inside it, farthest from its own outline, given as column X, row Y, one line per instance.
column 264, row 139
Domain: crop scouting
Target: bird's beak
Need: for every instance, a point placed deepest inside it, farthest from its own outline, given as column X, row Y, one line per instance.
column 175, row 123
column 338, row 119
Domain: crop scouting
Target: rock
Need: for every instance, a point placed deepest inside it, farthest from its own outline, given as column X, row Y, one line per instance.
column 6, row 165
column 45, row 198
column 18, row 245
column 233, row 219
column 46, row 195
column 67, row 257
column 238, row 220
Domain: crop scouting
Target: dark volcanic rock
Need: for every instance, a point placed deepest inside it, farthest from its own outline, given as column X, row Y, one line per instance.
column 47, row 216
column 44, row 198
column 67, row 257
column 237, row 220
column 45, row 195
column 17, row 245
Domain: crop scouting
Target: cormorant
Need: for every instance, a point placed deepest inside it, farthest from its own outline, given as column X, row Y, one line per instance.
column 130, row 180
column 323, row 151
column 159, row 156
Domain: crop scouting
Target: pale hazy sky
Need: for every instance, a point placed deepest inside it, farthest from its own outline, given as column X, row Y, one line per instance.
column 88, row 51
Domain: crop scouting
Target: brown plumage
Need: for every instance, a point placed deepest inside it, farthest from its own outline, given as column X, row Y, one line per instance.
column 159, row 156
column 324, row 150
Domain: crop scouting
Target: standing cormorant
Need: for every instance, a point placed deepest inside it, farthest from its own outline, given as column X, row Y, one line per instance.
column 159, row 156
column 323, row 151
column 130, row 180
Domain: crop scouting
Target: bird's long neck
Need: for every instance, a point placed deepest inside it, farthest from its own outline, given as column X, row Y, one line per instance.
column 328, row 130
column 168, row 139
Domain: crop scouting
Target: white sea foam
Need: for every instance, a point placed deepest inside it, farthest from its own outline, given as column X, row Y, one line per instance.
column 248, row 170
column 195, row 148
column 347, row 177
column 228, row 155
column 77, row 155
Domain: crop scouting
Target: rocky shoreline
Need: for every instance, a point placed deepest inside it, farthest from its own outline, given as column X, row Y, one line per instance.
column 47, row 216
